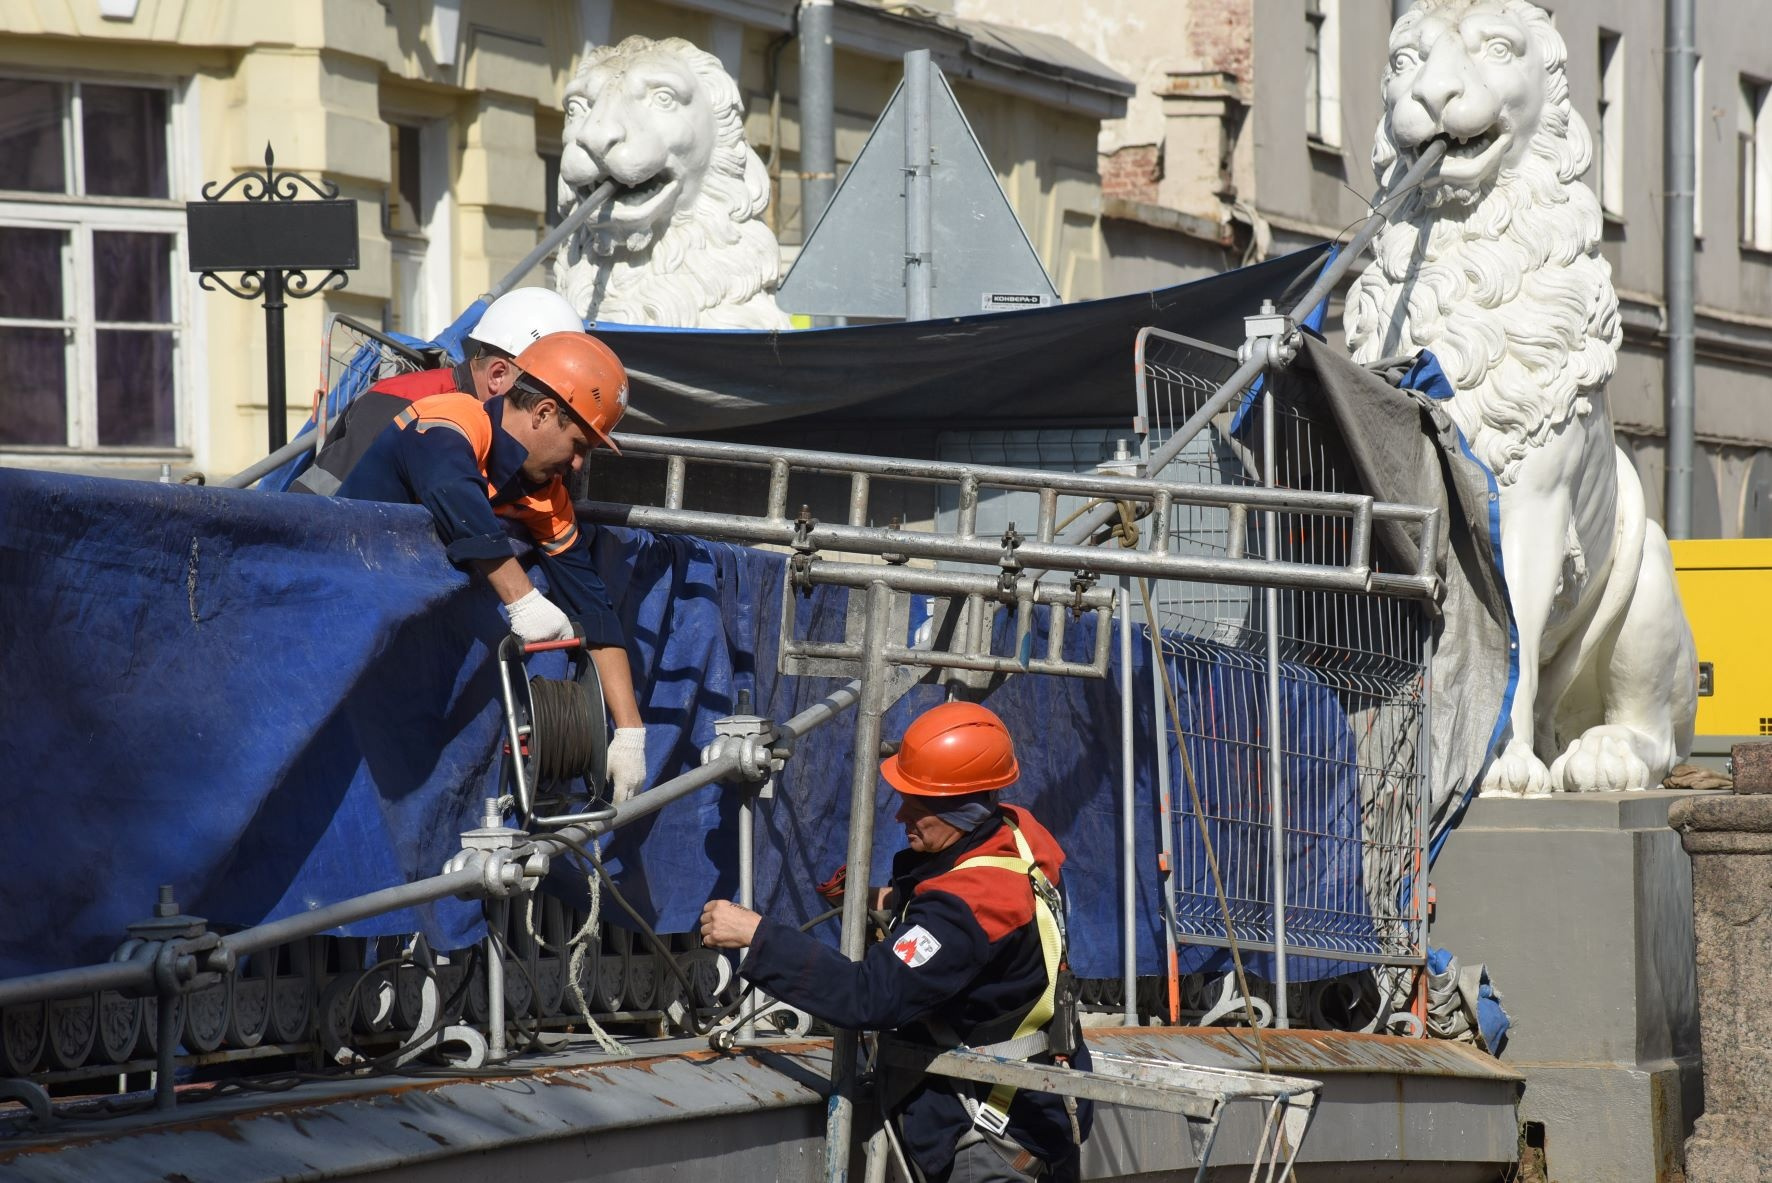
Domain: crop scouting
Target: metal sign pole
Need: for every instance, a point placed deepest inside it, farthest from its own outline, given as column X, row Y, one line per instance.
column 272, row 237
column 918, row 216
column 276, row 373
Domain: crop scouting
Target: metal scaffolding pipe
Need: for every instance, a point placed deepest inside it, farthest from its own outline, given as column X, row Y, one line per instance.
column 551, row 241
column 818, row 138
column 918, row 212
column 1679, row 171
column 1128, row 802
column 259, row 469
column 840, row 1119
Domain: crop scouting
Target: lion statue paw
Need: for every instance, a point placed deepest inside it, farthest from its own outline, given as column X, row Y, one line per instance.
column 682, row 242
column 1517, row 772
column 1608, row 759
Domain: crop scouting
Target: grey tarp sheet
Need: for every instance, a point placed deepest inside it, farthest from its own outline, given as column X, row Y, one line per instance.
column 1405, row 448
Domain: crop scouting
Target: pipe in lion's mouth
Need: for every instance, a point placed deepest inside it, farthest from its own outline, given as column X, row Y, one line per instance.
column 632, row 203
column 1471, row 148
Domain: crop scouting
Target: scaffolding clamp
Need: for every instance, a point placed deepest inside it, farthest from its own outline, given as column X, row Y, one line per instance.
column 509, row 864
column 750, row 740
column 1272, row 331
column 1081, row 582
column 1008, row 561
column 800, row 573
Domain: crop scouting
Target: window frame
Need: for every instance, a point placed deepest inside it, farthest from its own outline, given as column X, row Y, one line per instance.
column 1609, row 123
column 1322, row 98
column 1753, row 163
column 80, row 215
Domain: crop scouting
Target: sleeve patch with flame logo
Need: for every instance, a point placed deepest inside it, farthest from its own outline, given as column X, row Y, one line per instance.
column 915, row 946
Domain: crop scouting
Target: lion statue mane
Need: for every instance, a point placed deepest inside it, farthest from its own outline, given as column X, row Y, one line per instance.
column 681, row 243
column 1494, row 265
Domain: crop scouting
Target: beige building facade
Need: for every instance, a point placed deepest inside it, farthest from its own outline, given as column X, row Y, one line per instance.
column 442, row 120
column 1251, row 133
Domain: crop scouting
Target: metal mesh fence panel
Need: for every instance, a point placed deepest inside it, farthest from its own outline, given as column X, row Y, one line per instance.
column 1344, row 846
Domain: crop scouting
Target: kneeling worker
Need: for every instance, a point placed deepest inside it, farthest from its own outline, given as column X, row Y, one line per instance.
column 473, row 464
column 973, row 957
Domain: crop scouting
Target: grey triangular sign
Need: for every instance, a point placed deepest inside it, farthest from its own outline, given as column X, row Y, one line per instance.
column 853, row 262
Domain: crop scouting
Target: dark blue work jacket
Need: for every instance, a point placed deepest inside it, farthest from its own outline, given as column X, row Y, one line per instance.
column 451, row 454
column 964, row 958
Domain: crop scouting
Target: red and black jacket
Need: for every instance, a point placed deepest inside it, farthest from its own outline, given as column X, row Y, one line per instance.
column 963, row 958
column 366, row 416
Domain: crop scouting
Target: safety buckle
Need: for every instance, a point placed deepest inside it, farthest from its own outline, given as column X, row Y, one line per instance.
column 990, row 1118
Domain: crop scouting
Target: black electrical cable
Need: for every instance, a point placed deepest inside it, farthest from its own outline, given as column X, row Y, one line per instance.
column 382, row 1065
column 562, row 743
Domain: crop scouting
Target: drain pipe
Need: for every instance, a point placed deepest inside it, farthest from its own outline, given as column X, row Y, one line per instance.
column 1679, row 168
column 818, row 142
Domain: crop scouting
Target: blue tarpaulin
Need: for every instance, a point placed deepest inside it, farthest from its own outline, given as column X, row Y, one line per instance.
column 273, row 702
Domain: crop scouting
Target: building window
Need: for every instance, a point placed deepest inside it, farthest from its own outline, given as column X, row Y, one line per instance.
column 1753, row 129
column 416, row 220
column 1609, row 128
column 93, row 307
column 1322, row 72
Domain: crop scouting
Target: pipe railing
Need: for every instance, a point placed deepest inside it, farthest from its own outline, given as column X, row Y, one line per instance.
column 138, row 974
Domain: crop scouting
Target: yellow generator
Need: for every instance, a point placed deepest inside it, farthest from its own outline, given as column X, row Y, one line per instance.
column 1725, row 584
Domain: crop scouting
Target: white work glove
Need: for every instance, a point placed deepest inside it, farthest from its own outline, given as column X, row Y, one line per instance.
column 627, row 762
column 535, row 618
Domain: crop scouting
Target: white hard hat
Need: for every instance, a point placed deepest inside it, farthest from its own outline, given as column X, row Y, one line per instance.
column 520, row 318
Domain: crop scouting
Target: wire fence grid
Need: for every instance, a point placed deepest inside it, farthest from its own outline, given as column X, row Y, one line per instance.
column 1351, row 685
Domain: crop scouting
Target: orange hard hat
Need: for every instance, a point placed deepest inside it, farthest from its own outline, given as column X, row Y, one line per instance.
column 581, row 372
column 951, row 750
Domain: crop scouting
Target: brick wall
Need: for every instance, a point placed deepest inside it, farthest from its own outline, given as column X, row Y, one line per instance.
column 1221, row 35
column 1132, row 173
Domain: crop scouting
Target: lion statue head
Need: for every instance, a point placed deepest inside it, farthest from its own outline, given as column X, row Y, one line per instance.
column 1494, row 263
column 680, row 243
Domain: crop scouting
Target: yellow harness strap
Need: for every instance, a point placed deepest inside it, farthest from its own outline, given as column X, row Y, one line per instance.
column 994, row 1113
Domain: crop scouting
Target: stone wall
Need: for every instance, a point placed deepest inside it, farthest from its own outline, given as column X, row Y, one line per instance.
column 1730, row 841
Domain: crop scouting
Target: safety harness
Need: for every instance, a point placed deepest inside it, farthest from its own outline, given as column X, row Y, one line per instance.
column 1037, row 1033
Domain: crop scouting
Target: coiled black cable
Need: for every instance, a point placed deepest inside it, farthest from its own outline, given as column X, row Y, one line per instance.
column 563, row 740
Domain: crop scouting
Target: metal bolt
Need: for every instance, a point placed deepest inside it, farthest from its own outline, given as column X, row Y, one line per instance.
column 167, row 906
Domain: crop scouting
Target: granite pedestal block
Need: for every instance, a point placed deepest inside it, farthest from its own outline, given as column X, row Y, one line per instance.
column 1581, row 905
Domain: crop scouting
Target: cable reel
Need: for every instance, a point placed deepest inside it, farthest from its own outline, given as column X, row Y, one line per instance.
column 556, row 735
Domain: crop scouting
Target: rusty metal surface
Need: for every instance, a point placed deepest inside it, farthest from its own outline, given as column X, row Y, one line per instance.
column 347, row 1128
column 1397, row 1107
column 1306, row 1053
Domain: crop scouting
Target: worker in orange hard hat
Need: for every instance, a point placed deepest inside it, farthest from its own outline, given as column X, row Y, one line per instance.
column 509, row 325
column 477, row 466
column 974, row 955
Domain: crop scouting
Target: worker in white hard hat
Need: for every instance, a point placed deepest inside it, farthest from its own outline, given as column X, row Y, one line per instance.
column 512, row 323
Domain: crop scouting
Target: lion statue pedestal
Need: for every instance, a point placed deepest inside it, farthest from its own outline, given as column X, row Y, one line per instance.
column 682, row 242
column 1494, row 265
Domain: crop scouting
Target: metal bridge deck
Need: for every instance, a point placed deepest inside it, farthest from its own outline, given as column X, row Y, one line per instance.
column 1392, row 1108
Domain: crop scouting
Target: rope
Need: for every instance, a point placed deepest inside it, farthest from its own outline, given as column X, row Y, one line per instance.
column 587, row 932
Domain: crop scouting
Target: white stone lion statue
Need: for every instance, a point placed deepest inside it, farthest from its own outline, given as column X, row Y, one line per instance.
column 1494, row 265
column 681, row 244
